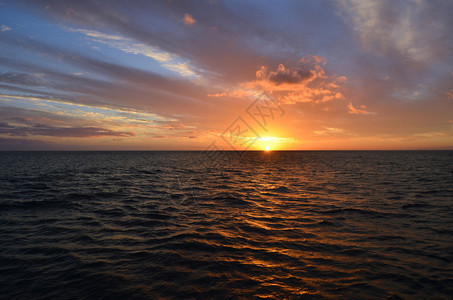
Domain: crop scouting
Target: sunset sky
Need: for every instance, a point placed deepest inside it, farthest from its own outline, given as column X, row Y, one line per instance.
column 184, row 75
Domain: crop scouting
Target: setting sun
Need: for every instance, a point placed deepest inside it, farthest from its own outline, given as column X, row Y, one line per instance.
column 267, row 148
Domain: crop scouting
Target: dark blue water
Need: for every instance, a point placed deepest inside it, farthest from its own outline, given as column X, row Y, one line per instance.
column 181, row 225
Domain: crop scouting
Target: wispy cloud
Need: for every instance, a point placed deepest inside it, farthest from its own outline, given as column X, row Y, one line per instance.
column 385, row 26
column 4, row 28
column 277, row 139
column 236, row 93
column 21, row 78
column 46, row 130
column 329, row 131
column 168, row 60
column 81, row 110
column 360, row 110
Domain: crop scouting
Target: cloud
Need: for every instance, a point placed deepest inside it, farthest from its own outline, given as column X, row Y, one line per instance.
column 168, row 60
column 277, row 139
column 170, row 125
column 64, row 123
column 285, row 75
column 306, row 82
column 188, row 20
column 183, row 69
column 97, row 34
column 21, row 78
column 414, row 29
column 449, row 94
column 308, row 69
column 25, row 129
column 358, row 110
column 329, row 131
column 78, row 109
column 4, row 28
column 237, row 93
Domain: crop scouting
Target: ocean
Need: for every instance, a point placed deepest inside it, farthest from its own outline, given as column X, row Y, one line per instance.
column 258, row 225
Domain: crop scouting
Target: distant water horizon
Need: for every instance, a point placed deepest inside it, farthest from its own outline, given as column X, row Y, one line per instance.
column 247, row 150
column 191, row 224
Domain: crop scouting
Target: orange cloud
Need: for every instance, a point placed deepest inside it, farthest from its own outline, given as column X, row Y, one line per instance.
column 234, row 93
column 310, row 58
column 307, row 82
column 358, row 110
column 329, row 131
column 188, row 20
column 449, row 94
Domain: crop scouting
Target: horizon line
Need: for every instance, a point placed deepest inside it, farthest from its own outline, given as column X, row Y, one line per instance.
column 279, row 150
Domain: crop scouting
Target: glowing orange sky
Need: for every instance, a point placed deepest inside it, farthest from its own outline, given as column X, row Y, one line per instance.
column 178, row 75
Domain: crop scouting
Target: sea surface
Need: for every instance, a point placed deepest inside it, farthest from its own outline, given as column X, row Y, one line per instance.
column 262, row 225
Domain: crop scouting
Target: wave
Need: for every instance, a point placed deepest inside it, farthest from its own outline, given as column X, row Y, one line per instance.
column 287, row 225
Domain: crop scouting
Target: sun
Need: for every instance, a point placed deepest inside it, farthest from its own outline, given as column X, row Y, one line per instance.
column 267, row 148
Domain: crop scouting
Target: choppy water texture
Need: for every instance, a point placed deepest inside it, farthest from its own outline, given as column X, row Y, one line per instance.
column 147, row 225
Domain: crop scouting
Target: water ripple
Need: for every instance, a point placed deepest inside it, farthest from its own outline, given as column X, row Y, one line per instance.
column 282, row 225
